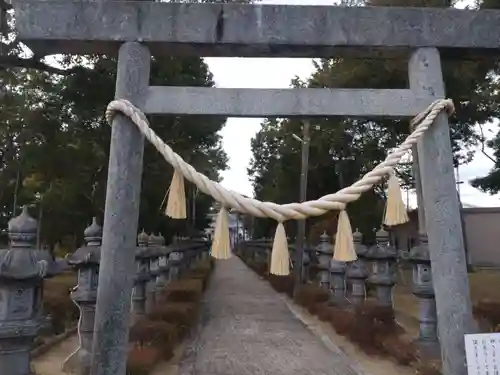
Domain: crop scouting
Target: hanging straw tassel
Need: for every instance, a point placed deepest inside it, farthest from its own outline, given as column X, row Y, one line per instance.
column 221, row 246
column 395, row 210
column 344, row 242
column 176, row 203
column 280, row 258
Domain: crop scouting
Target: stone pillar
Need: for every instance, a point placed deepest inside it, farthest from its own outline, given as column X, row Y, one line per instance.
column 442, row 216
column 423, row 289
column 154, row 272
column 325, row 253
column 163, row 277
column 356, row 273
column 141, row 276
column 86, row 262
column 123, row 193
column 383, row 256
column 22, row 270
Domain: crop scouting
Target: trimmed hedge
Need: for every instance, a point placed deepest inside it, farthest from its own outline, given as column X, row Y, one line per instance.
column 154, row 337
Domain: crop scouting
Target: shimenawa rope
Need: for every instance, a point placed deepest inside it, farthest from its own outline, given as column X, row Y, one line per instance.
column 281, row 213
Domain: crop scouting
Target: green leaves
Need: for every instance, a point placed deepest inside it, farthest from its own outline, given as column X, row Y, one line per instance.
column 55, row 137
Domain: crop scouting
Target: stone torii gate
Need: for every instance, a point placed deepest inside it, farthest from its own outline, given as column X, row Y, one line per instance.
column 134, row 30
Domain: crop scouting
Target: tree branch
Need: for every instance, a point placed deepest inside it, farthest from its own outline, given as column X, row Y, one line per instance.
column 31, row 63
column 483, row 144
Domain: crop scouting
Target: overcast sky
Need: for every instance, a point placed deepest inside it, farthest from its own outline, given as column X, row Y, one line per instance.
column 277, row 73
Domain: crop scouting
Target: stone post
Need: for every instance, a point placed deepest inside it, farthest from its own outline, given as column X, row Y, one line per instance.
column 22, row 270
column 86, row 262
column 423, row 289
column 383, row 277
column 141, row 276
column 163, row 266
column 325, row 253
column 154, row 272
column 123, row 193
column 356, row 273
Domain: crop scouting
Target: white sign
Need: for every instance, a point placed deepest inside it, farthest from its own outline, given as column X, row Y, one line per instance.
column 483, row 353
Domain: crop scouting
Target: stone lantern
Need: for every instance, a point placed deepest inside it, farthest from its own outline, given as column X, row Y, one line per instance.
column 163, row 277
column 356, row 273
column 337, row 281
column 423, row 289
column 141, row 276
column 154, row 271
column 85, row 260
column 383, row 257
column 325, row 253
column 22, row 270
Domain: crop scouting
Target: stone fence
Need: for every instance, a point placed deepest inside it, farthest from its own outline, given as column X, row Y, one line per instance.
column 376, row 269
column 23, row 269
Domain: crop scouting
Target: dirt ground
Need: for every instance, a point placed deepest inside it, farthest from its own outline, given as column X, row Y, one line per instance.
column 51, row 363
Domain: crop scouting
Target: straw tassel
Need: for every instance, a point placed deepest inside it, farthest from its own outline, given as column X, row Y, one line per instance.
column 221, row 246
column 280, row 258
column 176, row 203
column 344, row 243
column 395, row 210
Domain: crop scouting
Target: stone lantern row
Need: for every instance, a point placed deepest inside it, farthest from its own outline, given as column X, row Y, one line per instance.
column 155, row 266
column 377, row 265
column 23, row 268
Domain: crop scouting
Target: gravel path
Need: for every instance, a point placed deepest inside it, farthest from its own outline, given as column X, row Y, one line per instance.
column 247, row 329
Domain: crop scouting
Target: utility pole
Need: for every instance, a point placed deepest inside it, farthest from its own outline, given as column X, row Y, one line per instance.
column 464, row 229
column 301, row 224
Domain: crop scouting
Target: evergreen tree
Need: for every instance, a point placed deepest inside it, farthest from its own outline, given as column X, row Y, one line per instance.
column 342, row 150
